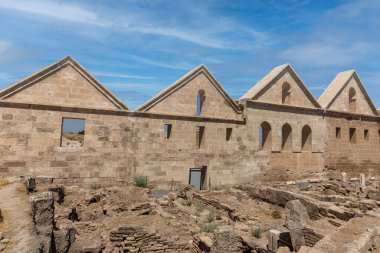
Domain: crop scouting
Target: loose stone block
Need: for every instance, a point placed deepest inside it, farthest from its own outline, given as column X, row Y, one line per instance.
column 273, row 237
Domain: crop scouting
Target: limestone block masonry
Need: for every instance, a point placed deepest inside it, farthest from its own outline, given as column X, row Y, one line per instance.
column 277, row 131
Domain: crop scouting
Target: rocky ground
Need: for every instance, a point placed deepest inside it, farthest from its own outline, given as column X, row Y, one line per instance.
column 38, row 215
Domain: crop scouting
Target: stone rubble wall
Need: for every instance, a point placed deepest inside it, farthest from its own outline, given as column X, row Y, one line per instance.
column 315, row 208
column 137, row 239
column 311, row 236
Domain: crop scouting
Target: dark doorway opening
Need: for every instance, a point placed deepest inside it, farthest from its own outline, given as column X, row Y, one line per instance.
column 197, row 177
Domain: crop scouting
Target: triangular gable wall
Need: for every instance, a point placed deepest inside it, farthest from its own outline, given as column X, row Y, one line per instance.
column 64, row 83
column 180, row 97
column 269, row 89
column 336, row 97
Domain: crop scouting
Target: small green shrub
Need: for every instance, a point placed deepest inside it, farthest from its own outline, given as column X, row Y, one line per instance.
column 214, row 214
column 200, row 206
column 186, row 202
column 276, row 214
column 239, row 196
column 257, row 232
column 95, row 186
column 210, row 217
column 140, row 181
column 218, row 215
column 207, row 228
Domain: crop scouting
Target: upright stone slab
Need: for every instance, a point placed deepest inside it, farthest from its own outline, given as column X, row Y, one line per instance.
column 296, row 219
column 362, row 179
column 273, row 237
column 344, row 176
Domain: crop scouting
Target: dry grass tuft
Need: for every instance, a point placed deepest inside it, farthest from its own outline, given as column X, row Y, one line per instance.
column 3, row 182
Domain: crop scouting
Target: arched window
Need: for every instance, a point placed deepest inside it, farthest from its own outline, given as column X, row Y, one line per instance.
column 200, row 101
column 286, row 137
column 352, row 100
column 265, row 136
column 307, row 138
column 286, row 93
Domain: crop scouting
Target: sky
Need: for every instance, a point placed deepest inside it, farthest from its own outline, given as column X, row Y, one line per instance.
column 138, row 47
column 73, row 125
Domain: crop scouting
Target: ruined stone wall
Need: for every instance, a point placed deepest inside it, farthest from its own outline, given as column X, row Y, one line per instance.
column 137, row 239
column 353, row 156
column 294, row 163
column 119, row 146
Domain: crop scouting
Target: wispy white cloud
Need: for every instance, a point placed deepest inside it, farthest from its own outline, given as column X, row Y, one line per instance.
column 177, row 65
column 118, row 75
column 326, row 53
column 142, row 23
column 57, row 10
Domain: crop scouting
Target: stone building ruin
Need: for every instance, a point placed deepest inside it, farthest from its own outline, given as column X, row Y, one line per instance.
column 192, row 130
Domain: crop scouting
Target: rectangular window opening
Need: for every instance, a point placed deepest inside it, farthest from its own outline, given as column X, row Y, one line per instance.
column 353, row 135
column 167, row 131
column 228, row 133
column 338, row 133
column 366, row 134
column 199, row 136
column 72, row 134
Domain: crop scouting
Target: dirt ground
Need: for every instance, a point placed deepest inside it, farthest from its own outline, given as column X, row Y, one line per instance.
column 189, row 218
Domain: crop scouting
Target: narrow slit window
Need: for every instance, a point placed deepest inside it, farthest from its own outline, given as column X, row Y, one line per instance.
column 200, row 136
column 167, row 131
column 378, row 133
column 338, row 133
column 366, row 134
column 352, row 100
column 228, row 133
column 286, row 93
column 72, row 134
column 353, row 135
column 200, row 101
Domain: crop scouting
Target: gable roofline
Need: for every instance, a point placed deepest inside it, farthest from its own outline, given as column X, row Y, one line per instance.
column 182, row 82
column 267, row 81
column 55, row 67
column 337, row 85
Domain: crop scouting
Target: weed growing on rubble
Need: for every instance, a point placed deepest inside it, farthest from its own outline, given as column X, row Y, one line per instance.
column 256, row 232
column 207, row 228
column 140, row 181
column 200, row 206
column 213, row 214
column 210, row 217
column 276, row 214
column 239, row 196
column 3, row 182
column 95, row 187
column 186, row 202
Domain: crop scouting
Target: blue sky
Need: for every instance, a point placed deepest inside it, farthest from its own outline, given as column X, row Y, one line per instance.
column 138, row 47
